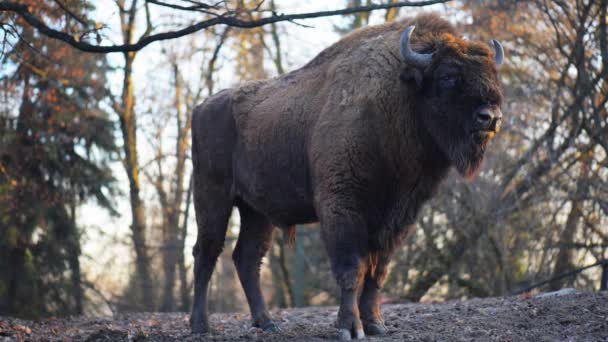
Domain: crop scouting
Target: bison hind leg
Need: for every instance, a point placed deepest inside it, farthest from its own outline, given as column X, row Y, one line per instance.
column 212, row 217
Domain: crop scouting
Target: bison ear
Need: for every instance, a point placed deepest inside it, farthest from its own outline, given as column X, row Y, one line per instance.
column 412, row 75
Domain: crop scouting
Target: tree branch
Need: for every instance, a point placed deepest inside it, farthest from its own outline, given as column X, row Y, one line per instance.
column 195, row 7
column 228, row 19
column 71, row 14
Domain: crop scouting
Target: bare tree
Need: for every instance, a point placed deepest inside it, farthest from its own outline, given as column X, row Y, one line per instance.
column 125, row 108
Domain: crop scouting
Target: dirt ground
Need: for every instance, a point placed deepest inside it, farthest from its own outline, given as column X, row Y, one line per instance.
column 568, row 317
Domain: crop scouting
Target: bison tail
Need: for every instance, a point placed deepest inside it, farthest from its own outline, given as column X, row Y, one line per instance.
column 289, row 235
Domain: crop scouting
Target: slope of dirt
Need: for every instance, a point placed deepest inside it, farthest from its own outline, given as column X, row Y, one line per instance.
column 568, row 317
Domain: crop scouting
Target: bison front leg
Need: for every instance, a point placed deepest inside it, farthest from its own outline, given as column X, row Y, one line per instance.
column 345, row 243
column 377, row 272
column 369, row 302
column 255, row 238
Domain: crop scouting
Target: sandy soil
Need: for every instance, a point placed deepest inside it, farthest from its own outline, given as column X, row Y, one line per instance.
column 568, row 317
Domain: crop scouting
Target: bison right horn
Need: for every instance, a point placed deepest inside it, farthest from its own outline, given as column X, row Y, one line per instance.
column 421, row 60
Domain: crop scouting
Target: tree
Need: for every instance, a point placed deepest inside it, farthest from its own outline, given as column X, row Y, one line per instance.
column 167, row 172
column 54, row 150
column 125, row 109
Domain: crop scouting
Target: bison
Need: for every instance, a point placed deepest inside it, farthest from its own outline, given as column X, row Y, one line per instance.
column 357, row 139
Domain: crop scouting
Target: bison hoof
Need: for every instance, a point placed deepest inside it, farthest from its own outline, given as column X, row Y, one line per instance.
column 270, row 327
column 374, row 328
column 200, row 328
column 360, row 334
column 345, row 335
column 349, row 326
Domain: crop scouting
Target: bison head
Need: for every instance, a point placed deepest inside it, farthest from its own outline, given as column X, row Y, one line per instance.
column 458, row 94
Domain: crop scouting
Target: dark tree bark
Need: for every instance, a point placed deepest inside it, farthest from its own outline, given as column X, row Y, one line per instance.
column 74, row 261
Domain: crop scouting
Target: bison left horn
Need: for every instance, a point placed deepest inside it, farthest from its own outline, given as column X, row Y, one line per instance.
column 498, row 52
column 421, row 60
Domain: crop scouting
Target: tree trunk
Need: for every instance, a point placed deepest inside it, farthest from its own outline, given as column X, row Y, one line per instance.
column 451, row 255
column 19, row 266
column 362, row 18
column 391, row 13
column 128, row 127
column 274, row 33
column 74, row 261
column 287, row 288
column 298, row 269
column 172, row 251
column 279, row 297
column 563, row 260
column 565, row 255
column 250, row 50
column 16, row 272
column 183, row 277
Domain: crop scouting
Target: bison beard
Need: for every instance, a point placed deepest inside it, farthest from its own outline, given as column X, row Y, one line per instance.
column 467, row 155
column 358, row 139
column 465, row 151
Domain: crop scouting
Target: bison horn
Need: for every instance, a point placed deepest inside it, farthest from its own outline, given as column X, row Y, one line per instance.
column 421, row 60
column 498, row 52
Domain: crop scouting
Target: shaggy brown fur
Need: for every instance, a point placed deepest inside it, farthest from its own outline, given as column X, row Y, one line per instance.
column 356, row 139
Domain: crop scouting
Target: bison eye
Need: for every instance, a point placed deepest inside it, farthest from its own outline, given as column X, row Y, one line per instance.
column 447, row 81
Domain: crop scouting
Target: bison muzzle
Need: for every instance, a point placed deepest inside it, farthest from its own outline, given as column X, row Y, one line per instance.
column 357, row 139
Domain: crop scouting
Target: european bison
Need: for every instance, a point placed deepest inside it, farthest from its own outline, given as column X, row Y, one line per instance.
column 357, row 139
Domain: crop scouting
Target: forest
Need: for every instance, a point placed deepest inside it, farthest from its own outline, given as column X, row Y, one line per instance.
column 96, row 212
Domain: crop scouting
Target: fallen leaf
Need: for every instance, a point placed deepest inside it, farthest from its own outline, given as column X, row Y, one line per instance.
column 525, row 295
column 153, row 323
column 23, row 329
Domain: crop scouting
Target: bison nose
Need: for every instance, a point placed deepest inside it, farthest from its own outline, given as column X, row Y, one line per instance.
column 484, row 117
column 489, row 119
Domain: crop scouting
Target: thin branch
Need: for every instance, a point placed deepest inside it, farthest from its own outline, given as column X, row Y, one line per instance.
column 71, row 14
column 149, row 25
column 561, row 276
column 213, row 60
column 226, row 19
column 199, row 7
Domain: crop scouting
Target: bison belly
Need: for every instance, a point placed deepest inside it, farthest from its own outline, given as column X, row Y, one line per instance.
column 271, row 171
